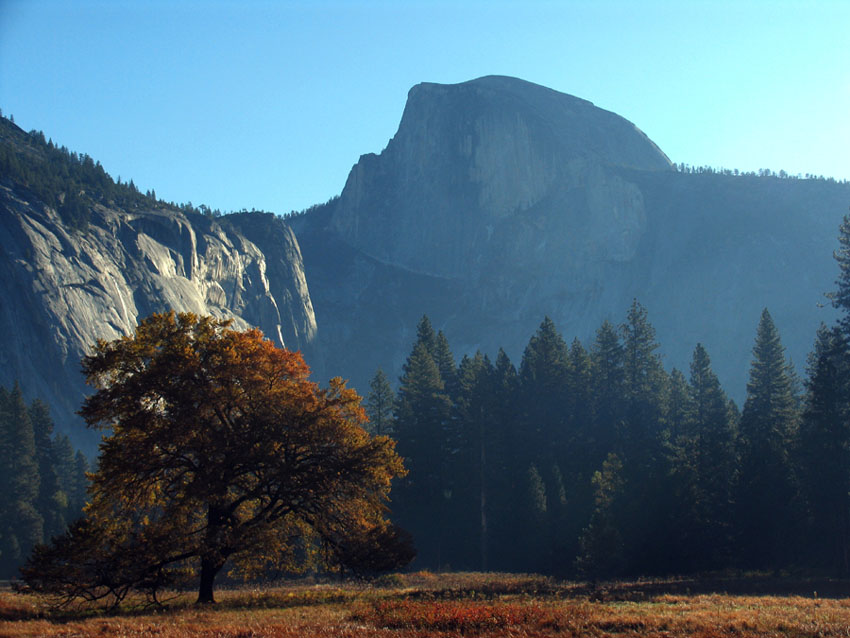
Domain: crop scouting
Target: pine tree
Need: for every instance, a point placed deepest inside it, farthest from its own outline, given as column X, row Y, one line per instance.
column 679, row 407
column 63, row 453
column 533, row 554
column 445, row 361
column 379, row 404
column 472, row 471
column 507, row 493
column 641, row 439
column 545, row 362
column 580, row 404
column 426, row 336
column 602, row 543
column 841, row 297
column 550, row 434
column 51, row 501
column 644, row 386
column 768, row 422
column 6, row 454
column 452, row 437
column 823, row 453
column 704, row 468
column 608, row 389
column 422, row 414
column 603, row 530
column 544, row 377
column 23, row 527
column 562, row 538
column 584, row 455
column 6, row 451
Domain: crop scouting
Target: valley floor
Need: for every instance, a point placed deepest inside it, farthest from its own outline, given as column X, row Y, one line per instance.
column 425, row 604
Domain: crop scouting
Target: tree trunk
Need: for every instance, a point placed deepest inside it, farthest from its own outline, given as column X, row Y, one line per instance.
column 209, row 569
column 483, row 504
column 212, row 556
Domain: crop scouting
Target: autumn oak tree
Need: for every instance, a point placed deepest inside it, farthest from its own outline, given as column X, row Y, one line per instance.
column 221, row 450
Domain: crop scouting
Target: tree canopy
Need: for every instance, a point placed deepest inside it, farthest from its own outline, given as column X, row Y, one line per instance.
column 221, row 450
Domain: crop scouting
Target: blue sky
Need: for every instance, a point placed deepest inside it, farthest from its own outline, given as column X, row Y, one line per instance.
column 268, row 105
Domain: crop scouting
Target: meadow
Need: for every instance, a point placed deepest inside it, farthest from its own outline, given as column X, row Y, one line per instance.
column 462, row 604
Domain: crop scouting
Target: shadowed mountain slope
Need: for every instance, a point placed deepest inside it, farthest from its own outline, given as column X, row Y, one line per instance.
column 498, row 202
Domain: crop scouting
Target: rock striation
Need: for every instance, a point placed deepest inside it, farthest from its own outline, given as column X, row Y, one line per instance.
column 64, row 289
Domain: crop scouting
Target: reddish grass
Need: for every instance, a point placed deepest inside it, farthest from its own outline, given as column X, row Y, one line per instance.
column 694, row 617
column 425, row 604
column 465, row 617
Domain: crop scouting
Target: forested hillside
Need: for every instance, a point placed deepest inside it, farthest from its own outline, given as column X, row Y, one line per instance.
column 68, row 181
column 595, row 461
column 43, row 478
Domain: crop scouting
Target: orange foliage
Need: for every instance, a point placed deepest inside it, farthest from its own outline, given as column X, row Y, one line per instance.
column 222, row 450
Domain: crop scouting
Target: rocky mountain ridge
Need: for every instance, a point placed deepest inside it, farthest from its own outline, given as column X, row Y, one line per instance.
column 469, row 158
column 63, row 289
column 499, row 202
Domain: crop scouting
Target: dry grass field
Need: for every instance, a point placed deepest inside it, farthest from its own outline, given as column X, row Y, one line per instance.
column 425, row 604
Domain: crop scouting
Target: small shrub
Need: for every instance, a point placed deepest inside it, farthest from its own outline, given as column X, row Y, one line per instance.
column 394, row 581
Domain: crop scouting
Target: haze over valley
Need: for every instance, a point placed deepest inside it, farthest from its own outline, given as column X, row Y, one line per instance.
column 497, row 203
column 395, row 291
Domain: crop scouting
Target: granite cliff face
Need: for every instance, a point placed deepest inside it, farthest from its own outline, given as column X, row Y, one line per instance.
column 62, row 289
column 499, row 202
column 471, row 161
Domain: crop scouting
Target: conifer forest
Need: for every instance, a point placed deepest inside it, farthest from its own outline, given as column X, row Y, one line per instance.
column 43, row 477
column 591, row 460
column 584, row 460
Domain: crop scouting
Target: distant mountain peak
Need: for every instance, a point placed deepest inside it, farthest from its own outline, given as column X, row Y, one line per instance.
column 497, row 83
column 579, row 127
column 469, row 156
